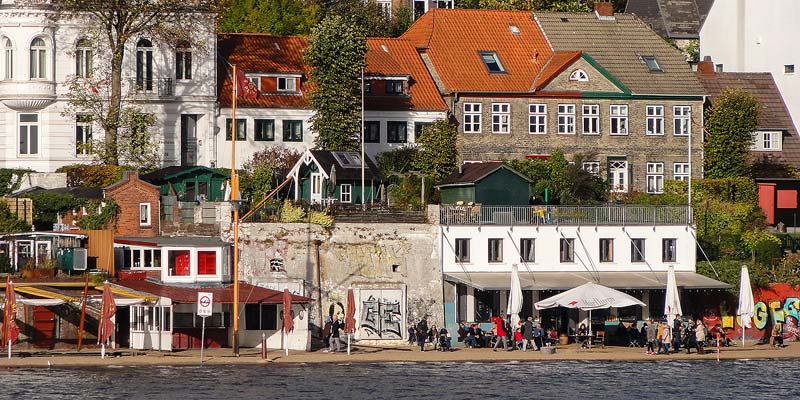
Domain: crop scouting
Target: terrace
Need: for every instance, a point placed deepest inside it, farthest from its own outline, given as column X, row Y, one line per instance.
column 564, row 215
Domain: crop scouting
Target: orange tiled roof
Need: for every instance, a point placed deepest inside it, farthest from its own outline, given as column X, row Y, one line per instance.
column 554, row 66
column 452, row 39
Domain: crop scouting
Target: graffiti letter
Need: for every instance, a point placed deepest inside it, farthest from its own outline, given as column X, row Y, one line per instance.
column 761, row 315
column 777, row 311
column 791, row 307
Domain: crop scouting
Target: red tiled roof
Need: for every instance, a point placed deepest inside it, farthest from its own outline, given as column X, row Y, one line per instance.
column 452, row 39
column 396, row 57
column 554, row 66
column 248, row 294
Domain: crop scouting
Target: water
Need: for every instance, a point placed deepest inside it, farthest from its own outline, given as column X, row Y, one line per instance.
column 575, row 380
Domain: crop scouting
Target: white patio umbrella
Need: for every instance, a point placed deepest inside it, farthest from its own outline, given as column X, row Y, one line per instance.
column 590, row 296
column 746, row 303
column 514, row 297
column 672, row 302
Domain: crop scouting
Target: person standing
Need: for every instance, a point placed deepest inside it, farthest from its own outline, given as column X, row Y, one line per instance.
column 652, row 336
column 326, row 332
column 666, row 337
column 691, row 336
column 499, row 333
column 538, row 337
column 701, row 337
column 677, row 324
column 422, row 333
column 527, row 334
column 336, row 326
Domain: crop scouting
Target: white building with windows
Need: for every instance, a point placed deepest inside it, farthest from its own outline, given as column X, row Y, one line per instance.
column 40, row 57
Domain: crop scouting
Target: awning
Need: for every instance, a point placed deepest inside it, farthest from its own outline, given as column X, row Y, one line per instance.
column 569, row 280
column 129, row 294
column 40, row 302
column 48, row 294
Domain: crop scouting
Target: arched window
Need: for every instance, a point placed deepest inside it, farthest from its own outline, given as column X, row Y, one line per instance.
column 8, row 58
column 38, row 59
column 144, row 65
column 183, row 61
column 83, row 59
column 579, row 75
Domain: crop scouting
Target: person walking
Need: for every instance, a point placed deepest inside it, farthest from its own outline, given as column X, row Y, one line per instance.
column 538, row 337
column 336, row 326
column 691, row 336
column 700, row 337
column 499, row 333
column 652, row 336
column 666, row 337
column 422, row 333
column 527, row 334
column 677, row 324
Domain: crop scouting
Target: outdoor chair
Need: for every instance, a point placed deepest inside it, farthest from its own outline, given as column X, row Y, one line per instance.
column 599, row 339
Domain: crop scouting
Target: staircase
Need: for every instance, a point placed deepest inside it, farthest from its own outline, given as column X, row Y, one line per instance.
column 379, row 215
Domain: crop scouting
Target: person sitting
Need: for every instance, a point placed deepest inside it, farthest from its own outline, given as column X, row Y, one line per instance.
column 552, row 337
column 777, row 335
column 445, row 340
column 583, row 336
column 481, row 337
column 519, row 341
column 463, row 331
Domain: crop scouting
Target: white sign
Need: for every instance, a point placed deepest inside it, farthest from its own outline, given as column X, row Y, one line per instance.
column 204, row 302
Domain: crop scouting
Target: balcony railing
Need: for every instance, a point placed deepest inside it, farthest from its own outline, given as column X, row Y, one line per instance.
column 161, row 87
column 564, row 215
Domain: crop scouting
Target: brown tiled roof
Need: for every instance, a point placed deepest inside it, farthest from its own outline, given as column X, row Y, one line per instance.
column 773, row 115
column 452, row 39
column 398, row 57
column 470, row 173
column 676, row 19
column 554, row 66
column 248, row 294
column 617, row 45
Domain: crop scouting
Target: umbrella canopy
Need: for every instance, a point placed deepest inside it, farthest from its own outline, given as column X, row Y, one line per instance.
column 672, row 303
column 109, row 309
column 288, row 322
column 514, row 297
column 589, row 296
column 332, row 182
column 10, row 327
column 350, row 319
column 746, row 303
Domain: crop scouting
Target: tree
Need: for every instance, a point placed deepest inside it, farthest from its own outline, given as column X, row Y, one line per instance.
column 565, row 182
column 530, row 5
column 369, row 15
column 277, row 17
column 336, row 55
column 730, row 123
column 266, row 169
column 438, row 150
column 111, row 25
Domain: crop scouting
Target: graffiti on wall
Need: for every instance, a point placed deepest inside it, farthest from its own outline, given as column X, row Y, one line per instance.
column 381, row 314
column 768, row 310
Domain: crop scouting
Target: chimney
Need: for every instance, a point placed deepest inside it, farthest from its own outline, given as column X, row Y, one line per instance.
column 706, row 67
column 604, row 9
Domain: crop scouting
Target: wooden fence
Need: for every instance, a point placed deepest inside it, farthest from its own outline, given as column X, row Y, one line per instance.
column 101, row 246
column 23, row 207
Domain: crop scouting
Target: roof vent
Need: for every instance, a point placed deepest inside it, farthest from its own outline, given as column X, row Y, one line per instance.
column 564, row 19
column 514, row 29
column 385, row 49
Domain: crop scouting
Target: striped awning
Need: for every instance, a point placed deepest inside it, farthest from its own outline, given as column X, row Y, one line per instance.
column 48, row 294
column 124, row 292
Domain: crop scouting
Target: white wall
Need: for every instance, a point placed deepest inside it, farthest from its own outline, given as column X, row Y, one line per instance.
column 299, row 338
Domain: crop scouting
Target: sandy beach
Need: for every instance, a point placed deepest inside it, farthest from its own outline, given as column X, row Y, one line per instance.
column 87, row 358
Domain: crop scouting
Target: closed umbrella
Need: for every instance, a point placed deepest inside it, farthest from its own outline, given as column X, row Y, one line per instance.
column 350, row 319
column 746, row 303
column 672, row 302
column 10, row 327
column 288, row 322
column 514, row 297
column 332, row 182
column 107, row 312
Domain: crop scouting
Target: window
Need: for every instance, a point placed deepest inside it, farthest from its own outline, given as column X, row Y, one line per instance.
column 618, row 175
column 183, row 63
column 144, row 65
column 292, row 131
column 386, row 7
column 537, row 118
column 261, row 317
column 83, row 135
column 495, row 251
column 592, row 167
column 346, row 193
column 619, row 120
column 680, row 171
column 655, row 120
column 652, row 64
column 655, row 177
column 394, row 87
column 256, row 81
column 788, row 69
column 241, row 129
column 492, row 62
column 8, row 58
column 566, row 118
column 287, row 84
column 83, row 59
column 179, row 262
column 367, row 87
column 668, row 249
column 487, row 303
column 682, row 121
column 591, row 119
column 144, row 214
column 527, row 249
column 718, row 68
column 637, row 250
column 472, row 117
column 206, row 262
column 567, row 250
column 28, row 134
column 501, row 117
column 420, row 128
column 606, row 250
column 396, row 132
column 579, row 75
column 264, row 130
column 767, row 141
column 372, row 132
column 462, row 250
column 38, row 59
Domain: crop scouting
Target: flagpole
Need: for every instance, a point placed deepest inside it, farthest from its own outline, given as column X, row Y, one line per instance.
column 363, row 161
column 234, row 199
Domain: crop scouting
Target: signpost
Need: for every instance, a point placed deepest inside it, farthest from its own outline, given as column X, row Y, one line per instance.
column 205, row 302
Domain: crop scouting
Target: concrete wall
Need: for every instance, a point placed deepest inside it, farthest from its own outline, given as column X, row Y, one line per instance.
column 398, row 265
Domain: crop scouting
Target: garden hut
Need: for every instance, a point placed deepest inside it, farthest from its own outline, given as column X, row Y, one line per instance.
column 492, row 183
column 189, row 183
column 326, row 177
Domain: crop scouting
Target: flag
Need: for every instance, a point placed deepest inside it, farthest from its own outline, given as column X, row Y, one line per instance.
column 10, row 327
column 288, row 322
column 245, row 88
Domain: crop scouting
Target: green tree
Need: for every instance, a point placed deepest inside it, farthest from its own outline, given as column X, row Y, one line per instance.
column 730, row 123
column 530, row 5
column 369, row 15
column 266, row 169
column 47, row 205
column 565, row 182
column 438, row 150
column 10, row 222
column 336, row 55
column 277, row 17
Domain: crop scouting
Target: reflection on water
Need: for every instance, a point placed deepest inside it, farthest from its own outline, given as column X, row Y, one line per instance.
column 731, row 379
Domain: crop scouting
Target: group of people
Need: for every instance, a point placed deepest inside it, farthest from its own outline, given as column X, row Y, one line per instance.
column 665, row 336
column 420, row 334
column 526, row 335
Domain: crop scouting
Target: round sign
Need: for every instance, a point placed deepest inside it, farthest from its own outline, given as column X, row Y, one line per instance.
column 205, row 301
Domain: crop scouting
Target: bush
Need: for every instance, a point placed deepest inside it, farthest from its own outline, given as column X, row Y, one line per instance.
column 93, row 175
column 396, row 161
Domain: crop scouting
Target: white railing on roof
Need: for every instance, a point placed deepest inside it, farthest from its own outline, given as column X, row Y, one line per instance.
column 564, row 215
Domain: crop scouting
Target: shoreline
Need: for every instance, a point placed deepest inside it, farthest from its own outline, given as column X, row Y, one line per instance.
column 372, row 355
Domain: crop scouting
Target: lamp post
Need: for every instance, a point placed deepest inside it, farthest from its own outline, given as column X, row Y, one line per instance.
column 363, row 161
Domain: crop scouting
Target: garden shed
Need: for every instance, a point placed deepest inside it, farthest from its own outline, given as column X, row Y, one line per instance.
column 325, row 177
column 492, row 183
column 189, row 183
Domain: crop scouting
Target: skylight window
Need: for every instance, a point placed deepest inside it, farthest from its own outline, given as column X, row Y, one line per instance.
column 652, row 64
column 514, row 29
column 347, row 159
column 492, row 62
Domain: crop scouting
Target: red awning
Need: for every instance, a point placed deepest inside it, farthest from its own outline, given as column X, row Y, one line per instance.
column 248, row 294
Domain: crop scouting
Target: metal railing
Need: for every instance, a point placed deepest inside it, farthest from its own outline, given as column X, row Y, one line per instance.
column 564, row 215
column 161, row 87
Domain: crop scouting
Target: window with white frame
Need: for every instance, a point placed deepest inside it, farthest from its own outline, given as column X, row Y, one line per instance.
column 619, row 119
column 346, row 193
column 492, row 62
column 83, row 135
column 767, row 141
column 618, row 175
column 566, row 250
column 501, row 118
column 591, row 119
column 462, row 250
column 566, row 118
column 637, row 250
column 394, row 86
column 655, row 120
column 495, row 251
column 144, row 214
column 183, row 62
column 606, row 250
column 287, row 84
column 38, row 62
column 527, row 250
column 8, row 58
column 537, row 118
column 256, row 81
column 83, row 58
column 386, row 7
column 28, row 134
column 579, row 75
column 682, row 120
column 680, row 171
column 592, row 167
column 669, row 248
column 655, row 177
column 472, row 117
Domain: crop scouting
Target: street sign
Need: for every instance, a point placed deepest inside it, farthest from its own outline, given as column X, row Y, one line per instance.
column 205, row 302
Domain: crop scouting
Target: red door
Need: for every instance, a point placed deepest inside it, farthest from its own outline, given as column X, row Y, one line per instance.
column 44, row 327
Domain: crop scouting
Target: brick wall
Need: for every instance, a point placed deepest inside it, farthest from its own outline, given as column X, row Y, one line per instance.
column 129, row 194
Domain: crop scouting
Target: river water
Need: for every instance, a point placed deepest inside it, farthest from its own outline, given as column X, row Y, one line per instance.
column 574, row 380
